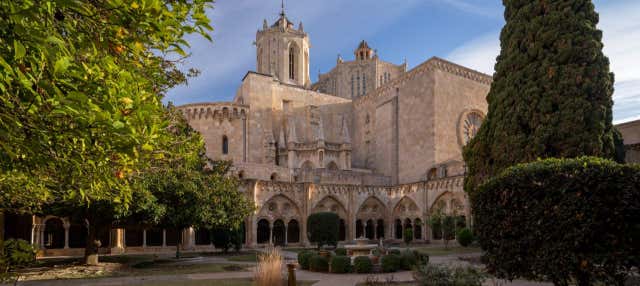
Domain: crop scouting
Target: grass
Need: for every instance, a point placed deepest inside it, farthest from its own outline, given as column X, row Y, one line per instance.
column 219, row 282
column 390, row 284
column 297, row 249
column 251, row 257
column 441, row 251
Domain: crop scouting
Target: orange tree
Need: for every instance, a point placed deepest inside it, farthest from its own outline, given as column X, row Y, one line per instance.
column 80, row 110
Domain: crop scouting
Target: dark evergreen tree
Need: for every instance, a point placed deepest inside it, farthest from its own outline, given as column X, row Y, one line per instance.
column 551, row 94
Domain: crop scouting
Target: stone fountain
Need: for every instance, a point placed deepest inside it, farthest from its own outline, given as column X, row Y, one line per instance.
column 361, row 248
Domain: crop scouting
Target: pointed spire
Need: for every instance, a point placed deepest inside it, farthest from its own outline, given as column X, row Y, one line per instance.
column 265, row 26
column 346, row 138
column 301, row 27
column 293, row 138
column 282, row 10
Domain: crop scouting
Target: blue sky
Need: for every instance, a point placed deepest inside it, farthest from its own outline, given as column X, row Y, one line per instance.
column 463, row 31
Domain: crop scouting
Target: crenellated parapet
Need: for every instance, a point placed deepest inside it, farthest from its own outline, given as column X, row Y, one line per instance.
column 214, row 111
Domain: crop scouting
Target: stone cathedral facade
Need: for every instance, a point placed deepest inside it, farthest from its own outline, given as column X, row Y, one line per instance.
column 376, row 143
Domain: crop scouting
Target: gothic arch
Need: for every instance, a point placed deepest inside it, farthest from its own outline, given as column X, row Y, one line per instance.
column 307, row 166
column 293, row 60
column 447, row 203
column 330, row 204
column 371, row 208
column 333, row 166
column 406, row 208
column 279, row 207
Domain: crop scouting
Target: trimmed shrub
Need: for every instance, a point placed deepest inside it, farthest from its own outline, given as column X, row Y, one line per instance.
column 421, row 258
column 340, row 251
column 394, row 251
column 362, row 264
column 323, row 228
column 465, row 237
column 319, row 263
column 408, row 260
column 438, row 275
column 340, row 264
column 304, row 257
column 407, row 236
column 391, row 263
column 562, row 220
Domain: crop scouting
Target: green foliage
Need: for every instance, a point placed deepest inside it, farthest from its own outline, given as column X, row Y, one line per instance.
column 407, row 236
column 445, row 224
column 408, row 259
column 362, row 264
column 15, row 254
column 390, row 263
column 304, row 258
column 225, row 239
column 323, row 228
column 394, row 251
column 561, row 220
column 465, row 237
column 340, row 251
column 551, row 91
column 340, row 264
column 319, row 263
column 442, row 275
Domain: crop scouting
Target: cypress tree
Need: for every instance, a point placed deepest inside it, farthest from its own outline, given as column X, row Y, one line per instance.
column 551, row 94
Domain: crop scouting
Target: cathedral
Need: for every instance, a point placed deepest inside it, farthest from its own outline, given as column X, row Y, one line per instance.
column 373, row 142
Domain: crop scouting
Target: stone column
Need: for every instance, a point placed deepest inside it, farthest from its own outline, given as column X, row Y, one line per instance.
column 254, row 232
column 144, row 238
column 118, row 241
column 270, row 233
column 66, row 226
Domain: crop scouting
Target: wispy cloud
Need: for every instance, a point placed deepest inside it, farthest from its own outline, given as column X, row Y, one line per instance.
column 620, row 24
column 470, row 7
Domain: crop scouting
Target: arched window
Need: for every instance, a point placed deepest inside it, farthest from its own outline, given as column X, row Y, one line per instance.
column 292, row 62
column 225, row 145
column 352, row 83
column 364, row 84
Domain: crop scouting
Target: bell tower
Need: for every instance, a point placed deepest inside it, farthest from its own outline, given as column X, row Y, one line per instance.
column 283, row 51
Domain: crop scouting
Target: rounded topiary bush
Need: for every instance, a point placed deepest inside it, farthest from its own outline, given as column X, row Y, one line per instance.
column 340, row 251
column 362, row 264
column 340, row 264
column 319, row 263
column 304, row 257
column 408, row 260
column 561, row 220
column 323, row 228
column 391, row 263
column 464, row 237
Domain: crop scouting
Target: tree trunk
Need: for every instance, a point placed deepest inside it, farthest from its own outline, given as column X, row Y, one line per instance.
column 1, row 228
column 179, row 243
column 93, row 244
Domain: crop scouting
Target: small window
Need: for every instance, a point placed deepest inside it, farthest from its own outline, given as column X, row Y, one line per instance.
column 274, row 177
column 225, row 145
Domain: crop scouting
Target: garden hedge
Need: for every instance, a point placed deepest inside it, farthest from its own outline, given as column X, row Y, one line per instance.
column 561, row 220
column 323, row 228
column 390, row 263
column 408, row 260
column 340, row 264
column 340, row 251
column 464, row 237
column 304, row 257
column 362, row 264
column 319, row 263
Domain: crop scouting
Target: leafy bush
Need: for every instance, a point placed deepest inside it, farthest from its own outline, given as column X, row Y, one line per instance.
column 394, row 251
column 323, row 228
column 421, row 258
column 362, row 264
column 465, row 237
column 408, row 260
column 304, row 257
column 226, row 239
column 407, row 235
column 340, row 264
column 561, row 219
column 319, row 263
column 434, row 275
column 15, row 254
column 340, row 251
column 391, row 263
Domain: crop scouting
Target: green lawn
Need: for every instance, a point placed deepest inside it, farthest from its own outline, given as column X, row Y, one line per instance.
column 297, row 249
column 392, row 284
column 441, row 251
column 251, row 257
column 223, row 282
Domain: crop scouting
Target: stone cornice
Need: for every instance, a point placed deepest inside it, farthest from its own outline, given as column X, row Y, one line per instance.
column 212, row 110
column 432, row 64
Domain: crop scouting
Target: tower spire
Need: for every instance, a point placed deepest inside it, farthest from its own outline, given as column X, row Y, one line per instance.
column 282, row 10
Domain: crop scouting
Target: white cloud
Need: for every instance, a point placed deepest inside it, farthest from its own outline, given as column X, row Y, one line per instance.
column 469, row 7
column 621, row 36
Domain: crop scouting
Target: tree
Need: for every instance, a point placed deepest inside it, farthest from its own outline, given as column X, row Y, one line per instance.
column 445, row 224
column 408, row 236
column 187, row 188
column 81, row 86
column 323, row 228
column 551, row 94
column 561, row 220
